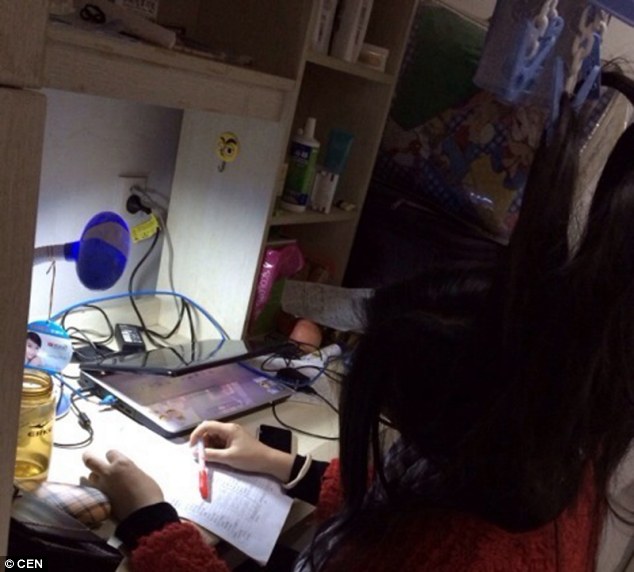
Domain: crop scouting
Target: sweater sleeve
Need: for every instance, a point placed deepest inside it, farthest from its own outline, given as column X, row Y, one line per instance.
column 321, row 486
column 307, row 489
column 178, row 547
column 330, row 493
column 145, row 521
column 160, row 541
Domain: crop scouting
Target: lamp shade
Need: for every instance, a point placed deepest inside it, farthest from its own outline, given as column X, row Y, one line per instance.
column 100, row 254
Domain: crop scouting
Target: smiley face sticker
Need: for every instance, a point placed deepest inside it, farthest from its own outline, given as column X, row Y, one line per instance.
column 227, row 149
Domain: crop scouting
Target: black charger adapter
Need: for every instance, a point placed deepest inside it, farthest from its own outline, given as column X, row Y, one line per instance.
column 129, row 338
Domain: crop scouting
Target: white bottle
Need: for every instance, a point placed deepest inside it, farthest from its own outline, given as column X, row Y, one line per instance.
column 324, row 191
column 302, row 165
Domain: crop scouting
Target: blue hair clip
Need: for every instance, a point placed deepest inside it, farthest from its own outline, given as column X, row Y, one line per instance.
column 621, row 9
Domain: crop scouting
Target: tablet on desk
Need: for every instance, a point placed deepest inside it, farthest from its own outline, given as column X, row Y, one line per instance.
column 180, row 359
column 174, row 405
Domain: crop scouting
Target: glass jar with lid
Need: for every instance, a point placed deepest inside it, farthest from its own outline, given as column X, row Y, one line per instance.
column 35, row 430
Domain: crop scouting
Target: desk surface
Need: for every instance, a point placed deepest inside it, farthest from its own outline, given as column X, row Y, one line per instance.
column 308, row 413
column 151, row 452
column 114, row 430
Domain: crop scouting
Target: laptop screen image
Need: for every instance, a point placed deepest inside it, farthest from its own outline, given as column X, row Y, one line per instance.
column 175, row 405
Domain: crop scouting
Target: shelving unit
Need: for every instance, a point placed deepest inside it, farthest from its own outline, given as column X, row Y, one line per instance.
column 87, row 62
column 359, row 70
column 285, row 218
column 232, row 213
column 214, row 215
column 220, row 220
column 356, row 98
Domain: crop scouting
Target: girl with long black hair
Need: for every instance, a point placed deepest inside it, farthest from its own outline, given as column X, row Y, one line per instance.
column 510, row 387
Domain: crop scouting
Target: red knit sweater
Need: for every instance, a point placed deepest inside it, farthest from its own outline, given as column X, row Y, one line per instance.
column 434, row 541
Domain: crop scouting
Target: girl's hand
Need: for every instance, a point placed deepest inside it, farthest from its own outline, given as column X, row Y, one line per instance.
column 127, row 486
column 232, row 445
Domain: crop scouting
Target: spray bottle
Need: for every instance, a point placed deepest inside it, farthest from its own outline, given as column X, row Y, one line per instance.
column 302, row 164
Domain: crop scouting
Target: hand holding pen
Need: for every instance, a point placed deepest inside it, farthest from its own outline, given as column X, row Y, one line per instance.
column 230, row 444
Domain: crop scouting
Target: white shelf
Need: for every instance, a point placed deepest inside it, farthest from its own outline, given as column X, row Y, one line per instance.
column 281, row 217
column 98, row 64
column 358, row 70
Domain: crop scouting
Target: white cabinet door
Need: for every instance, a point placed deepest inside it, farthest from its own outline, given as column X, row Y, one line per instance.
column 218, row 215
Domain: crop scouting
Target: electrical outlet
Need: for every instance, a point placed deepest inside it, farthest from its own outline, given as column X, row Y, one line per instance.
column 126, row 184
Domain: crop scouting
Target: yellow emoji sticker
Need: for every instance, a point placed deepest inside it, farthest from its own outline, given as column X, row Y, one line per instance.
column 227, row 148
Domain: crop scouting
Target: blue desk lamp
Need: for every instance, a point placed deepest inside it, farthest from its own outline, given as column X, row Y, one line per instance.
column 100, row 256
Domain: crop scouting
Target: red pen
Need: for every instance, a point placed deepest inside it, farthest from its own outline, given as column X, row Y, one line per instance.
column 203, row 473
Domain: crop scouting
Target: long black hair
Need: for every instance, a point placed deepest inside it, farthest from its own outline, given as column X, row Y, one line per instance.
column 556, row 342
column 402, row 371
column 514, row 381
column 601, row 284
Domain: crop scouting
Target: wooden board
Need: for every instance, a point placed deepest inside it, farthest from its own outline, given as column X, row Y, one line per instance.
column 22, row 36
column 22, row 115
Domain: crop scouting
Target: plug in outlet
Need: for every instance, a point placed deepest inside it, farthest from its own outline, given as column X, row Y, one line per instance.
column 127, row 183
